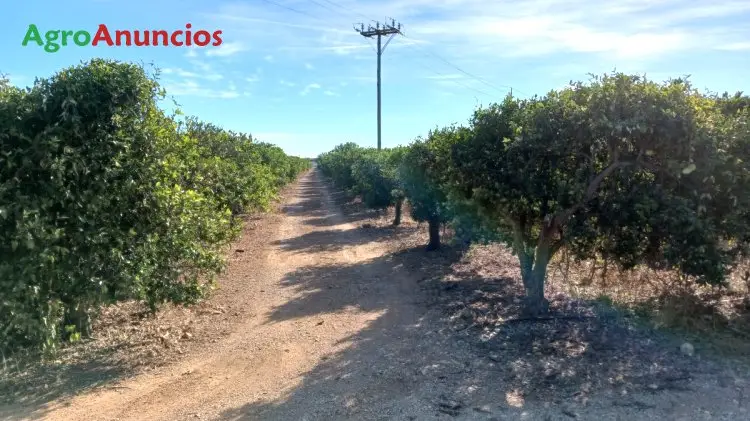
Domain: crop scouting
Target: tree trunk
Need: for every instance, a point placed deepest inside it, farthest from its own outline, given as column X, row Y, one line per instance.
column 433, row 226
column 397, row 219
column 533, row 281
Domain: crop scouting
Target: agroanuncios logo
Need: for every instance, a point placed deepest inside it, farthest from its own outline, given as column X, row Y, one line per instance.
column 55, row 39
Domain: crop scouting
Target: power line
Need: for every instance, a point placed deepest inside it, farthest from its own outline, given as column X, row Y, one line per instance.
column 301, row 12
column 346, row 8
column 341, row 14
column 455, row 81
column 505, row 88
column 291, row 9
column 326, row 7
column 425, row 50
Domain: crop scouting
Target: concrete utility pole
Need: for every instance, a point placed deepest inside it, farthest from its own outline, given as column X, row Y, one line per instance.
column 379, row 31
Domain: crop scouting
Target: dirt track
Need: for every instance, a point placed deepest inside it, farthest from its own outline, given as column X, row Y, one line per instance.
column 333, row 324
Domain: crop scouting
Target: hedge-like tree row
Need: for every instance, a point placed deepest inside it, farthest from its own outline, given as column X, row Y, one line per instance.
column 103, row 197
column 620, row 167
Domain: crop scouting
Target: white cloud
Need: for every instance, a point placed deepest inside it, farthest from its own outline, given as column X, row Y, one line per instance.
column 268, row 58
column 226, row 49
column 463, row 29
column 735, row 46
column 309, row 66
column 207, row 74
column 287, row 83
column 633, row 29
column 345, row 49
column 192, row 88
column 202, row 65
column 248, row 19
column 488, row 39
column 330, row 93
column 309, row 88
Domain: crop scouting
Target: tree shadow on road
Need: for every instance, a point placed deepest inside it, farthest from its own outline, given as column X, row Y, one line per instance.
column 372, row 370
column 309, row 198
column 330, row 220
column 52, row 381
column 333, row 239
column 370, row 286
column 445, row 342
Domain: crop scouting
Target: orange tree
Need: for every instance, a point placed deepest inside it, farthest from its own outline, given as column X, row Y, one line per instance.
column 423, row 173
column 337, row 164
column 375, row 174
column 622, row 166
column 103, row 197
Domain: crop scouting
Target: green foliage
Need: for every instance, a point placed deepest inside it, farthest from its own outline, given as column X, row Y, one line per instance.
column 337, row 164
column 367, row 172
column 731, row 105
column 376, row 179
column 104, row 198
column 421, row 177
column 621, row 167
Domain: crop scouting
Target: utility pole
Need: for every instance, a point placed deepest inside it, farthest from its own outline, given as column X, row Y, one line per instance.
column 379, row 31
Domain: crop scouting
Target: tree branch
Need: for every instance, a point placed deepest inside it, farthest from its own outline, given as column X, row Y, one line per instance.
column 562, row 217
column 594, row 184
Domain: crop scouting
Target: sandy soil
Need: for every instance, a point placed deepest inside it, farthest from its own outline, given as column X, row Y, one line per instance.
column 331, row 315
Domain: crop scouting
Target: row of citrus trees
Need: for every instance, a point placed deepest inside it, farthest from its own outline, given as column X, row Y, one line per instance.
column 104, row 197
column 623, row 168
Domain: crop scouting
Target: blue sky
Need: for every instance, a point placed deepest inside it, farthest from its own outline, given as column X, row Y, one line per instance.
column 305, row 80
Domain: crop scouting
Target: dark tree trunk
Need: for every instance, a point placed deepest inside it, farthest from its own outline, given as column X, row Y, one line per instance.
column 397, row 219
column 433, row 226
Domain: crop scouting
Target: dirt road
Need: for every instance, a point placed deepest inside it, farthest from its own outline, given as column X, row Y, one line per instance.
column 334, row 325
column 313, row 295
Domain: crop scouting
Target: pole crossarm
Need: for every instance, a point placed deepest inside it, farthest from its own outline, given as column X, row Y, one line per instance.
column 378, row 30
column 373, row 32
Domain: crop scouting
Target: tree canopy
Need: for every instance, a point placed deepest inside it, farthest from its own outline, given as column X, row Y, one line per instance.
column 620, row 167
column 103, row 197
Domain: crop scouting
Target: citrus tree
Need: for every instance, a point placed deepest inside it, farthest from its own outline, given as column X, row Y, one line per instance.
column 376, row 179
column 103, row 197
column 424, row 174
column 621, row 166
column 337, row 164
